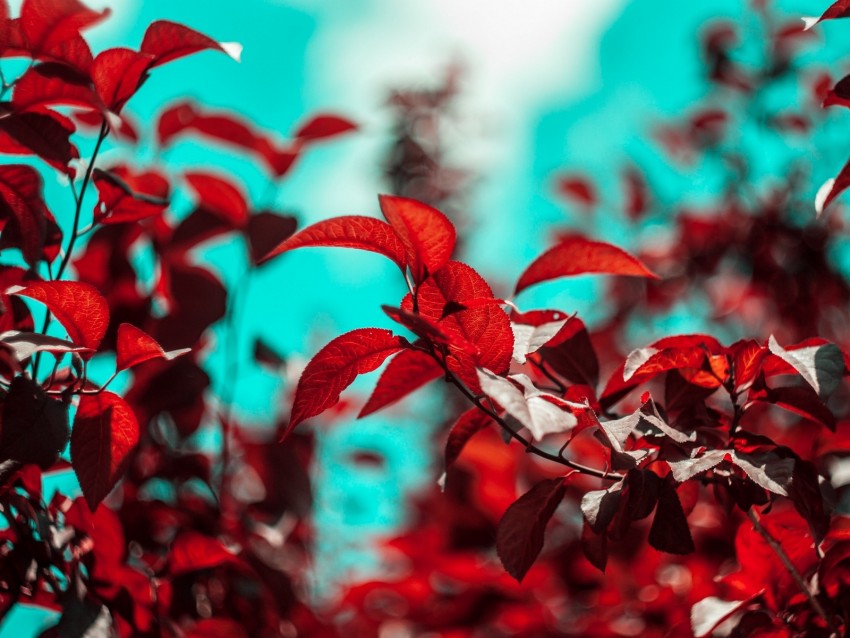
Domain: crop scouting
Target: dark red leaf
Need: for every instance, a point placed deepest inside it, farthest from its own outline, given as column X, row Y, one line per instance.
column 323, row 126
column 519, row 537
column 406, row 372
column 365, row 233
column 334, row 368
column 21, row 195
column 45, row 134
column 35, row 426
column 135, row 346
column 428, row 235
column 578, row 255
column 79, row 307
column 105, row 432
column 670, row 532
column 265, row 230
column 165, row 41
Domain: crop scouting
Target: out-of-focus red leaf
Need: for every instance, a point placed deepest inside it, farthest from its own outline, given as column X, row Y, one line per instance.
column 165, row 41
column 354, row 231
column 428, row 235
column 334, row 368
column 577, row 255
column 578, row 189
column 323, row 126
column 220, row 196
column 79, row 307
column 637, row 196
column 105, row 432
column 124, row 196
column 406, row 372
column 45, row 23
column 519, row 537
column 217, row 628
column 228, row 128
column 192, row 551
column 265, row 230
column 135, row 346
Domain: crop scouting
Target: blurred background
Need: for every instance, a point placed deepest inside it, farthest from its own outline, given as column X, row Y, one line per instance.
column 503, row 116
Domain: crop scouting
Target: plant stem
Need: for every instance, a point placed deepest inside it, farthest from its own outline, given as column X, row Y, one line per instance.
column 529, row 446
column 789, row 566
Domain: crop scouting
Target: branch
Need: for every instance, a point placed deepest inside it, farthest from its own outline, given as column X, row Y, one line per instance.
column 529, row 446
column 786, row 561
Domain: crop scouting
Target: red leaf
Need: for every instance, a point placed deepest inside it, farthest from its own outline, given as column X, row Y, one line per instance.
column 79, row 307
column 35, row 426
column 134, row 346
column 50, row 84
column 165, row 41
column 265, row 230
column 838, row 9
column 117, row 75
column 747, row 359
column 519, row 537
column 105, row 432
column 485, row 326
column 428, row 235
column 192, row 551
column 578, row 189
column 220, row 196
column 128, row 197
column 21, row 194
column 228, row 128
column 334, row 368
column 468, row 425
column 406, row 372
column 45, row 23
column 577, row 255
column 45, row 134
column 364, row 233
column 324, row 126
column 670, row 532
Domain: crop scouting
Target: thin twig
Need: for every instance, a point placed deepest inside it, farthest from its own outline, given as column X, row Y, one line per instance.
column 529, row 446
column 786, row 561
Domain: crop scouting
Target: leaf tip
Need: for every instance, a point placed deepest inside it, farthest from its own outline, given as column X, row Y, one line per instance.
column 232, row 49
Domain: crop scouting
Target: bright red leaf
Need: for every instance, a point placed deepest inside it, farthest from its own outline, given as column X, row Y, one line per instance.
column 428, row 235
column 354, row 231
column 324, row 126
column 406, row 372
column 578, row 255
column 105, row 432
column 135, row 346
column 79, row 307
column 334, row 368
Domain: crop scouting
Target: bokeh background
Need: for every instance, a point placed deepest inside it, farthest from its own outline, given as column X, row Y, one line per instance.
column 538, row 89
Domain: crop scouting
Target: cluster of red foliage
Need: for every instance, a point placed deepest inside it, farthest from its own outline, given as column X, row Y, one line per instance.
column 192, row 544
column 707, row 475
